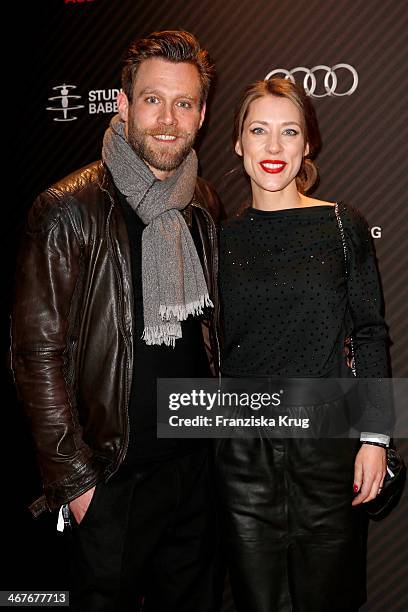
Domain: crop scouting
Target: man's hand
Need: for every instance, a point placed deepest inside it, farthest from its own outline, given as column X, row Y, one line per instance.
column 79, row 505
column 369, row 470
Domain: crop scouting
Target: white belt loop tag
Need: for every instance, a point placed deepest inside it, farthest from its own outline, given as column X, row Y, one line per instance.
column 64, row 519
column 60, row 521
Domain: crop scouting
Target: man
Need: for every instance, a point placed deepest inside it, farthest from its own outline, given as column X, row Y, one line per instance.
column 115, row 286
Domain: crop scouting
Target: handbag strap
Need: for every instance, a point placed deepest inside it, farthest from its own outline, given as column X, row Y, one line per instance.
column 345, row 253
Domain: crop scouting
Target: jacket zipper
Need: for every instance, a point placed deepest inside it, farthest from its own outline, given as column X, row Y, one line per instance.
column 123, row 450
column 214, row 262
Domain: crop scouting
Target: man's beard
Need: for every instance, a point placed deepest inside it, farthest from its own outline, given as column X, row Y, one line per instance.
column 164, row 157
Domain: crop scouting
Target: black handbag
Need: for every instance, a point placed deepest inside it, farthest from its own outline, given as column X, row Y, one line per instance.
column 392, row 487
column 395, row 477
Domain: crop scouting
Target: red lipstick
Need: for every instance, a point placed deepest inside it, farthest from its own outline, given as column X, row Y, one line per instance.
column 272, row 166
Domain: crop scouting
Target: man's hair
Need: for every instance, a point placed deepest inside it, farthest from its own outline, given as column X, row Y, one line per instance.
column 173, row 46
column 283, row 88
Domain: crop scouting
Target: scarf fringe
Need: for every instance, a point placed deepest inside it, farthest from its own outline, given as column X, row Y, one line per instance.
column 182, row 311
column 166, row 334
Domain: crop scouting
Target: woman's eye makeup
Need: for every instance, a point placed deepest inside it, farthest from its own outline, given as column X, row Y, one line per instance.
column 285, row 132
column 257, row 130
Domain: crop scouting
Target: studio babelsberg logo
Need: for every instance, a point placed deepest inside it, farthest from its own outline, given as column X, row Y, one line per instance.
column 321, row 81
column 100, row 101
column 65, row 107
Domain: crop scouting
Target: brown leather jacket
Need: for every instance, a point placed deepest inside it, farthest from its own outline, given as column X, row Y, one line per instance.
column 72, row 324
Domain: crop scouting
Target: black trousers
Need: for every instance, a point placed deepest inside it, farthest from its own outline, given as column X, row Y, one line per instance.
column 148, row 537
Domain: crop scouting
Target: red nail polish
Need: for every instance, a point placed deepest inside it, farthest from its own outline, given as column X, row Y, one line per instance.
column 355, row 488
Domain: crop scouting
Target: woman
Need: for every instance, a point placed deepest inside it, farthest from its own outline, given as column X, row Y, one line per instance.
column 291, row 301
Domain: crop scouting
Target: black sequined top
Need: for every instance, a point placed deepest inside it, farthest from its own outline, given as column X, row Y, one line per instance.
column 288, row 305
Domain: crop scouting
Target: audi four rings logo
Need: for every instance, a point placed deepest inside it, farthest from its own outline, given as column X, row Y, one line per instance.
column 330, row 81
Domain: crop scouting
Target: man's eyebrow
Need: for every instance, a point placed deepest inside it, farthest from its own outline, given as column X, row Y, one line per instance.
column 149, row 90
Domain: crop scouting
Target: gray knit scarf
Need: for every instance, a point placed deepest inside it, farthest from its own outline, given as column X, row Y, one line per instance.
column 173, row 280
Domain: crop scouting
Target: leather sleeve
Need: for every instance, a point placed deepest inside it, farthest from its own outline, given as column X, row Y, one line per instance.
column 208, row 198
column 46, row 287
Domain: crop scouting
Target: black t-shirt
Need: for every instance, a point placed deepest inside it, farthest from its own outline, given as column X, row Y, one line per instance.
column 187, row 359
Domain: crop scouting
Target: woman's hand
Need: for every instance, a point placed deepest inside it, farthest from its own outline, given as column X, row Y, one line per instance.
column 369, row 470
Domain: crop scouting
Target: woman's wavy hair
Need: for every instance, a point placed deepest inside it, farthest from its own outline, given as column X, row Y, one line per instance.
column 284, row 88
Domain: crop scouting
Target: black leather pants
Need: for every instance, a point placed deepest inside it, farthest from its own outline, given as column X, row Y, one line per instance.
column 293, row 541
